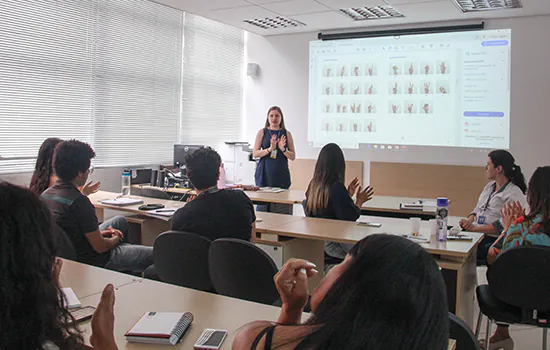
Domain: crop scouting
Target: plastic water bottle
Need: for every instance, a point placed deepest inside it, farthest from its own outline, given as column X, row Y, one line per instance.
column 221, row 180
column 441, row 217
column 126, row 182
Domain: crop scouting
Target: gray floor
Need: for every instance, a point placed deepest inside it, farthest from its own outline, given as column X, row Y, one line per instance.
column 525, row 338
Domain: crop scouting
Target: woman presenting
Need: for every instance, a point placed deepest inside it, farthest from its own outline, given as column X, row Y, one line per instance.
column 274, row 146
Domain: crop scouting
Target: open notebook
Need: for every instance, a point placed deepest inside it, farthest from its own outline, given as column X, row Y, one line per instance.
column 160, row 328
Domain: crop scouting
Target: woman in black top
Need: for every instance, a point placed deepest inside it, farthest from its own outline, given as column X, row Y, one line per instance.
column 327, row 197
column 387, row 294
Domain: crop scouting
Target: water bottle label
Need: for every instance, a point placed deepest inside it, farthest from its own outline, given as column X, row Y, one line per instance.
column 442, row 212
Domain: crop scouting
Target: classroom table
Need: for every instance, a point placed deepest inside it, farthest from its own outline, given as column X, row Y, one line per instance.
column 141, row 295
column 458, row 257
column 86, row 280
column 304, row 238
column 378, row 205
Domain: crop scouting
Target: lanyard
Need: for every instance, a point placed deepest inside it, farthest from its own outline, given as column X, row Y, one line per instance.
column 209, row 191
column 491, row 196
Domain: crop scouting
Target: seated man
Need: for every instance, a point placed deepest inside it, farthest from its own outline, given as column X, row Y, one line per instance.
column 74, row 213
column 214, row 213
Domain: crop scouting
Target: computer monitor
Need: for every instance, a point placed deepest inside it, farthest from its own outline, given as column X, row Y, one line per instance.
column 180, row 151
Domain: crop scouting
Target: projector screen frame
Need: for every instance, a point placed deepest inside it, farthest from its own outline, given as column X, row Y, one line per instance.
column 400, row 32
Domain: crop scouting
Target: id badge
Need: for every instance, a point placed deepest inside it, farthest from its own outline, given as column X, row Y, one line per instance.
column 481, row 220
column 273, row 154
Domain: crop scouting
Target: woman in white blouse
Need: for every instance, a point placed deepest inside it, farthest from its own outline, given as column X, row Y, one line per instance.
column 507, row 184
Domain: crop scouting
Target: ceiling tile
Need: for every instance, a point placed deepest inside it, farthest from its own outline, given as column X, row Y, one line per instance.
column 295, row 7
column 405, row 2
column 241, row 13
column 339, row 4
column 323, row 19
column 260, row 2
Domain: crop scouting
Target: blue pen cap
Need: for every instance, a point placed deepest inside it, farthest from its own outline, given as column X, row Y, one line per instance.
column 442, row 202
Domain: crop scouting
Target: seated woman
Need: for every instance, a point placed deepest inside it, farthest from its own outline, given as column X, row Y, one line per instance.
column 507, row 185
column 44, row 175
column 327, row 196
column 32, row 313
column 386, row 294
column 520, row 230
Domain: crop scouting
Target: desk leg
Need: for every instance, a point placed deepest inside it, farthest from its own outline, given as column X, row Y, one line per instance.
column 311, row 250
column 466, row 289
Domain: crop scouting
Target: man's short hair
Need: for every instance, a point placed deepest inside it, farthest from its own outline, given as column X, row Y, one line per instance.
column 71, row 158
column 202, row 167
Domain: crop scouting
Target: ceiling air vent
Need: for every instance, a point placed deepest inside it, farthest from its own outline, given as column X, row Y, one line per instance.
column 487, row 5
column 373, row 12
column 274, row 22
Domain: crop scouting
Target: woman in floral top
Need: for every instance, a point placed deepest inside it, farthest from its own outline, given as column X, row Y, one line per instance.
column 523, row 230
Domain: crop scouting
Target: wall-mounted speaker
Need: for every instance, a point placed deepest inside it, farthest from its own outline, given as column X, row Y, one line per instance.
column 252, row 69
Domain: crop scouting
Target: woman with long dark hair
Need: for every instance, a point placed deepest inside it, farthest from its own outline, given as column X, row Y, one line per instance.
column 375, row 299
column 274, row 146
column 522, row 229
column 327, row 197
column 32, row 314
column 44, row 175
column 506, row 185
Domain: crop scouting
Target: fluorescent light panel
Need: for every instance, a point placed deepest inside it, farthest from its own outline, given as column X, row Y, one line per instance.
column 487, row 5
column 372, row 12
column 274, row 23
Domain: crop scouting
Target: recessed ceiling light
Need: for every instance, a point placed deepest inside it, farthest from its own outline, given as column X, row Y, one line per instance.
column 373, row 12
column 487, row 5
column 274, row 23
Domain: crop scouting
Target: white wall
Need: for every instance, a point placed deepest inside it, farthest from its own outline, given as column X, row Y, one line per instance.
column 284, row 78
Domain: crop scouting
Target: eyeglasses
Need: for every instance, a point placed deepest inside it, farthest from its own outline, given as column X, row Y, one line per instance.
column 91, row 170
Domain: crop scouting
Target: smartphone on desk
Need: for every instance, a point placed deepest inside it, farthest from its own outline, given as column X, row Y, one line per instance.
column 210, row 339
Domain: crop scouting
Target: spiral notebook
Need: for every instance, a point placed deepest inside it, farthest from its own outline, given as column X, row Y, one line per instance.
column 160, row 328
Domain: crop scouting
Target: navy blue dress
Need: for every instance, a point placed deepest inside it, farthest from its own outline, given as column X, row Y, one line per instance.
column 273, row 172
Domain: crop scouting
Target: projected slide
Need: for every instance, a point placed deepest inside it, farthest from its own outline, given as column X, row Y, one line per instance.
column 448, row 89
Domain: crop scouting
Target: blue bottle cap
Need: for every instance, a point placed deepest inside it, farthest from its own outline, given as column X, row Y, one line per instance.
column 442, row 202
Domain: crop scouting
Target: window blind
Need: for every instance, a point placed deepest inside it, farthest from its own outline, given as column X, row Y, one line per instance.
column 212, row 82
column 45, row 87
column 137, row 65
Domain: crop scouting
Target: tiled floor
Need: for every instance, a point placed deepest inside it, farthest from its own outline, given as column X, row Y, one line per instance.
column 525, row 338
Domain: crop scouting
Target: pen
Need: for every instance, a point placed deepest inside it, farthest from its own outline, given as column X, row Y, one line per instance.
column 165, row 210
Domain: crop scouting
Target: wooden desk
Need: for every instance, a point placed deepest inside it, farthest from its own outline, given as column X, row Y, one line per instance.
column 378, row 205
column 285, row 197
column 209, row 310
column 266, row 221
column 86, row 280
column 150, row 226
column 97, row 197
column 457, row 256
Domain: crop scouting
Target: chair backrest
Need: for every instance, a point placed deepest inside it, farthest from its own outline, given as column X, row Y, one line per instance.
column 181, row 258
column 241, row 270
column 154, row 193
column 65, row 247
column 521, row 277
column 461, row 332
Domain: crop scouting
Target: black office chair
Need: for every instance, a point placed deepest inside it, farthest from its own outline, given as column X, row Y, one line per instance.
column 241, row 270
column 64, row 245
column 181, row 258
column 518, row 291
column 461, row 332
column 154, row 193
